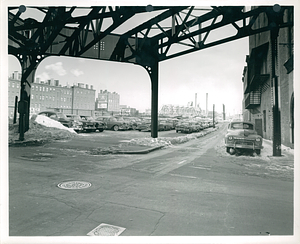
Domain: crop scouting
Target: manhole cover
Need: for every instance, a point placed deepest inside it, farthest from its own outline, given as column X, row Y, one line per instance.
column 70, row 185
column 106, row 230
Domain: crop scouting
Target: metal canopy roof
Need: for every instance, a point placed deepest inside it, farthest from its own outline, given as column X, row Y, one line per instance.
column 143, row 35
column 134, row 34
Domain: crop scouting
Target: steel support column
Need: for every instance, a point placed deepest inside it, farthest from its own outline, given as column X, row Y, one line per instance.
column 275, row 103
column 28, row 73
column 153, row 73
column 275, row 18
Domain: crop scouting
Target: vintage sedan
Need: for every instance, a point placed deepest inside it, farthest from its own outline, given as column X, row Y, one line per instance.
column 242, row 135
column 132, row 124
column 114, row 123
column 98, row 125
column 145, row 125
column 188, row 127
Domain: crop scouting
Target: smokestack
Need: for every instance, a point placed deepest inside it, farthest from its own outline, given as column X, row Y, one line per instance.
column 206, row 103
column 195, row 100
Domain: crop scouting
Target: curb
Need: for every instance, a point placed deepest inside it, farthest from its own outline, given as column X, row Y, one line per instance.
column 27, row 143
column 145, row 151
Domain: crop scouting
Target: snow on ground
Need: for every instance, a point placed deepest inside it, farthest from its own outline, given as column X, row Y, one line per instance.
column 41, row 129
column 168, row 141
column 46, row 121
column 265, row 164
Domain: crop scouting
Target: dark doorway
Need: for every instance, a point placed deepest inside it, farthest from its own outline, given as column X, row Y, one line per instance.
column 258, row 127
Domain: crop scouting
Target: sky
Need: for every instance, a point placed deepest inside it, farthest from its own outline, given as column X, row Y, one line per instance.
column 217, row 71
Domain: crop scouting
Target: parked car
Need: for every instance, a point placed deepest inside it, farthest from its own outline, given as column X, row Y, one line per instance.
column 132, row 124
column 145, row 125
column 114, row 123
column 188, row 127
column 242, row 135
column 87, row 126
column 165, row 124
column 99, row 125
column 63, row 119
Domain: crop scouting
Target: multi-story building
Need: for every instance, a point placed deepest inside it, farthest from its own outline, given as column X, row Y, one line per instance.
column 51, row 96
column 126, row 110
column 108, row 101
column 83, row 99
column 257, row 79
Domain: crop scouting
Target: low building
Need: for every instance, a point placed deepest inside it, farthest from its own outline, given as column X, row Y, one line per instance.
column 257, row 81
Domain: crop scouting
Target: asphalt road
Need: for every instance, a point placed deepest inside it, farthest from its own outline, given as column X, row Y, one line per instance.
column 190, row 189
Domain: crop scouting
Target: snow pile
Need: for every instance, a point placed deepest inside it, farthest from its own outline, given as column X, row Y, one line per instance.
column 182, row 139
column 46, row 121
column 44, row 130
column 284, row 150
column 153, row 142
column 167, row 141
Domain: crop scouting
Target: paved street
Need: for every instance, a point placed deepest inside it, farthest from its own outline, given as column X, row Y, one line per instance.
column 189, row 189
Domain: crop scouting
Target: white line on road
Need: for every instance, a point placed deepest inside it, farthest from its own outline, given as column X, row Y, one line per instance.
column 184, row 176
column 182, row 162
column 195, row 167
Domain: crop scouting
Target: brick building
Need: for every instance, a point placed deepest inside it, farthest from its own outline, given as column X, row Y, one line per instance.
column 257, row 76
column 108, row 101
column 49, row 95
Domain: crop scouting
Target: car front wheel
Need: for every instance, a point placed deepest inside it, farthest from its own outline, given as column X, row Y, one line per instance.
column 116, row 128
column 257, row 151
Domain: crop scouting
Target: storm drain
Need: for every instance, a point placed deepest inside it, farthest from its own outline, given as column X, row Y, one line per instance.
column 106, row 230
column 71, row 185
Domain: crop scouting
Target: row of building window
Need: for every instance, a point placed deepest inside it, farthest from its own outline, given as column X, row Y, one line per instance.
column 38, row 105
column 42, row 88
column 63, row 99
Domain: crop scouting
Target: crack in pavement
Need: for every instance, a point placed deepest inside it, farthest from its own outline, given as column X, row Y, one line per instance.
column 156, row 225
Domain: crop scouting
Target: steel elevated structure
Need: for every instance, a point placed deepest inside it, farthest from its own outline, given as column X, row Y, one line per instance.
column 141, row 35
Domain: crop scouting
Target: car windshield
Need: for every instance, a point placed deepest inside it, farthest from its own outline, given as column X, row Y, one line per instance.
column 61, row 115
column 241, row 126
column 88, row 118
column 75, row 117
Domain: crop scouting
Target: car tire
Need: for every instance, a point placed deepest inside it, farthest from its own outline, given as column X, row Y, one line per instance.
column 115, row 128
column 101, row 130
column 228, row 149
column 257, row 151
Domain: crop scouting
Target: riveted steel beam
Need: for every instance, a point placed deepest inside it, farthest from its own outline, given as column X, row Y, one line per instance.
column 61, row 33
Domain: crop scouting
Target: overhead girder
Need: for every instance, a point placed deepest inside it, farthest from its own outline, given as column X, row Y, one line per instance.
column 181, row 32
column 61, row 33
column 74, row 41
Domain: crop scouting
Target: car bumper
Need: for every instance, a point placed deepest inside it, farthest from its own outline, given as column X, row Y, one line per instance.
column 89, row 128
column 77, row 128
column 245, row 145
